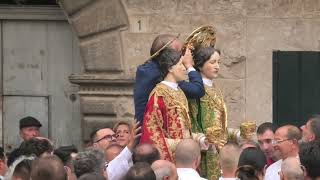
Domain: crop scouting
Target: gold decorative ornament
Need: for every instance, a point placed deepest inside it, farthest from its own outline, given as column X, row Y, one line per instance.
column 247, row 129
column 216, row 136
column 204, row 36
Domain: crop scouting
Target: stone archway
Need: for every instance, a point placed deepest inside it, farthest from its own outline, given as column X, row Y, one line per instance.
column 105, row 92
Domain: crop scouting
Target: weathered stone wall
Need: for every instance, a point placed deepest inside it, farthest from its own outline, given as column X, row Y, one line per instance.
column 115, row 37
column 248, row 32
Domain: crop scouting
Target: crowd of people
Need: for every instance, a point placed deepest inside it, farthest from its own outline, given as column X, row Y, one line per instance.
column 181, row 131
column 286, row 153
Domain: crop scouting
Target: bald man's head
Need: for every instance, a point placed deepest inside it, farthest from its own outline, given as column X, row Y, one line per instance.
column 286, row 141
column 228, row 157
column 164, row 170
column 162, row 40
column 188, row 153
column 291, row 169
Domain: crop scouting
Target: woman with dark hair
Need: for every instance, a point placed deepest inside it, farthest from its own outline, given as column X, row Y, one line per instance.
column 209, row 114
column 252, row 164
column 166, row 119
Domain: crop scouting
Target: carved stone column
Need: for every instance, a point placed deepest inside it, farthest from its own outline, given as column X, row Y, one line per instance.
column 105, row 89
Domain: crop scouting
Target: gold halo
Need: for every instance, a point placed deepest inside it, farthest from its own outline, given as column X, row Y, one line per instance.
column 203, row 36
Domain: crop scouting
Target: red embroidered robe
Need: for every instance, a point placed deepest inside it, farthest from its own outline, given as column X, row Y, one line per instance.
column 166, row 120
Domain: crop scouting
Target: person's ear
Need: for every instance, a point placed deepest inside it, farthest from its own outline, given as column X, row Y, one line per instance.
column 67, row 169
column 312, row 138
column 171, row 69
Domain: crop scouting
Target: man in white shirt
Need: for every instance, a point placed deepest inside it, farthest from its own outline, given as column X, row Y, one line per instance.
column 118, row 167
column 188, row 159
column 286, row 142
column 228, row 160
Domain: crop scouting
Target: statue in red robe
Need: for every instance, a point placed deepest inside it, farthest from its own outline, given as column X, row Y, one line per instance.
column 166, row 119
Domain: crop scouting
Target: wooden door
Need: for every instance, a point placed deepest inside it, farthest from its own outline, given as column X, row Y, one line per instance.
column 38, row 57
column 296, row 86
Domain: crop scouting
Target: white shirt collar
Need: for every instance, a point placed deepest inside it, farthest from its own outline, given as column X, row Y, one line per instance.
column 171, row 84
column 188, row 173
column 207, row 82
column 221, row 178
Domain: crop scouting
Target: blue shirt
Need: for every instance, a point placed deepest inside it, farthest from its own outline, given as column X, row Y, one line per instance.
column 148, row 76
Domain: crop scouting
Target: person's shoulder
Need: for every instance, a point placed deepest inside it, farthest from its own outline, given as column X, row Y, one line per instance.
column 277, row 163
column 273, row 167
column 148, row 69
column 148, row 65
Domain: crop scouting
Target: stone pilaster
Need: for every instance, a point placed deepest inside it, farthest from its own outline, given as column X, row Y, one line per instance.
column 105, row 90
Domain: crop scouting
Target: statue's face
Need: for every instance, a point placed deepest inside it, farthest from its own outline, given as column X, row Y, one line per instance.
column 211, row 67
column 178, row 71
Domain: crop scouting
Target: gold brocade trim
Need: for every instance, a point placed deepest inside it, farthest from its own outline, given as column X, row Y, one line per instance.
column 214, row 99
column 155, row 127
column 175, row 101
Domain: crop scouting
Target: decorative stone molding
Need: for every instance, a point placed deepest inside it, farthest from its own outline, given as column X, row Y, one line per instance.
column 97, row 85
column 32, row 13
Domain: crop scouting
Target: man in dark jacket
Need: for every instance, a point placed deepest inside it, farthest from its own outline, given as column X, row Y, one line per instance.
column 148, row 75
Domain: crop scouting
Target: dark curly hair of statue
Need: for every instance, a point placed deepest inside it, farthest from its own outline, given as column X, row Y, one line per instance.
column 202, row 55
column 167, row 58
column 252, row 162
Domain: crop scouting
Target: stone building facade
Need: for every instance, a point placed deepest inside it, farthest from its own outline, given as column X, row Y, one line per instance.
column 115, row 37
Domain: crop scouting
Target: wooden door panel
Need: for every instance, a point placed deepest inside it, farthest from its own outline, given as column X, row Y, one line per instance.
column 296, row 86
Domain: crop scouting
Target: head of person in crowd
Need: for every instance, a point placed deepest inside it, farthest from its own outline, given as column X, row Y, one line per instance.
column 291, row 169
column 66, row 158
column 311, row 130
column 309, row 155
column 29, row 128
column 112, row 151
column 89, row 161
column 70, row 149
column 207, row 62
column 164, row 170
column 286, row 140
column 188, row 154
column 36, row 146
column 265, row 135
column 140, row 171
column 123, row 132
column 246, row 143
column 48, row 168
column 102, row 138
column 92, row 176
column 171, row 66
column 162, row 40
column 145, row 153
column 228, row 160
column 20, row 168
column 251, row 165
column 3, row 162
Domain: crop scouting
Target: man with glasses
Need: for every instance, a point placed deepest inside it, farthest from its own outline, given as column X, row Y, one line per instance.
column 118, row 167
column 286, row 143
column 102, row 138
